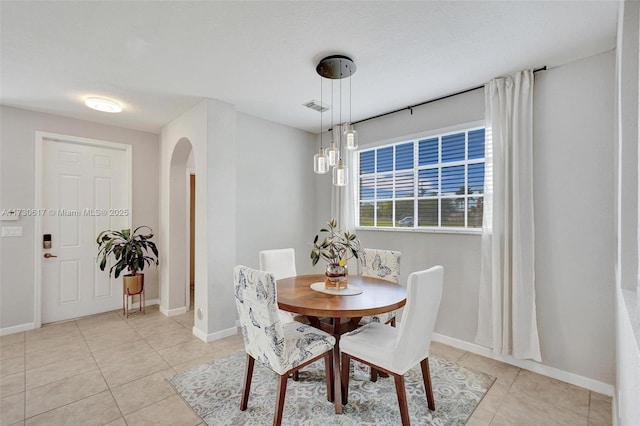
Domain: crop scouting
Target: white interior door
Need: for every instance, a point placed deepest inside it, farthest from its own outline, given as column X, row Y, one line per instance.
column 85, row 190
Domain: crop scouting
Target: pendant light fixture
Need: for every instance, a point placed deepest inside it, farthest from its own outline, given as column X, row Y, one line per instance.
column 321, row 162
column 332, row 152
column 339, row 174
column 350, row 134
column 337, row 67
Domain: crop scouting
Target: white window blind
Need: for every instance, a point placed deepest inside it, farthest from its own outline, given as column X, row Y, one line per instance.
column 433, row 182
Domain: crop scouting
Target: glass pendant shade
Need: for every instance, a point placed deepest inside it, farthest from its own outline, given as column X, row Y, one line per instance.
column 351, row 137
column 339, row 175
column 332, row 153
column 321, row 162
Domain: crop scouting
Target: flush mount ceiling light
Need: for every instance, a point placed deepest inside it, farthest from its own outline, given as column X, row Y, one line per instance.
column 103, row 104
column 336, row 67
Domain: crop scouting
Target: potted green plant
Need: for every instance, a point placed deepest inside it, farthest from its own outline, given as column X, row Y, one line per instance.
column 336, row 249
column 131, row 251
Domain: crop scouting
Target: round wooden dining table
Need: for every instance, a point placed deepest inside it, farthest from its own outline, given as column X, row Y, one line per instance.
column 338, row 313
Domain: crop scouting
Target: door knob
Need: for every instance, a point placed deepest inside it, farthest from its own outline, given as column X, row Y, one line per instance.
column 48, row 255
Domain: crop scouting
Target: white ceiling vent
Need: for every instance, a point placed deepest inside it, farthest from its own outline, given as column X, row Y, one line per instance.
column 316, row 106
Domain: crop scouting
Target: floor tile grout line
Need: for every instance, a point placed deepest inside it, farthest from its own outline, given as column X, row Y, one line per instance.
column 56, row 381
column 505, row 397
column 115, row 401
column 109, row 387
column 553, row 403
column 63, row 405
column 115, row 362
column 493, row 414
column 147, row 406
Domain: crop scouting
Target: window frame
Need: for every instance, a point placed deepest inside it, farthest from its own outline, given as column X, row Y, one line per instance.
column 415, row 139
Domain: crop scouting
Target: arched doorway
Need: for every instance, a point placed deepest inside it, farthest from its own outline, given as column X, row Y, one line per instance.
column 180, row 230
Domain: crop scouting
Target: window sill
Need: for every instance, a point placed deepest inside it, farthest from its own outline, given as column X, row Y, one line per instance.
column 423, row 230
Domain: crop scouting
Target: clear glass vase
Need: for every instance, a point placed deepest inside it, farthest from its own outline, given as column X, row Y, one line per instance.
column 336, row 276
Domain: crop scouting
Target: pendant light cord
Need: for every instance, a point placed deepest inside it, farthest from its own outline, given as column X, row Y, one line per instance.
column 350, row 99
column 339, row 133
column 321, row 106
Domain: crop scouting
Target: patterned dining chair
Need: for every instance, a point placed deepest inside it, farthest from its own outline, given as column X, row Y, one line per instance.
column 282, row 347
column 383, row 264
column 396, row 350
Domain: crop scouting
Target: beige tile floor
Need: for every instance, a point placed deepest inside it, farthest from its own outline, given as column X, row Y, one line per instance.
column 106, row 370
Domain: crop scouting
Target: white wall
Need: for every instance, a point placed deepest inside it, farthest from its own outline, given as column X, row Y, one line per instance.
column 17, row 163
column 574, row 215
column 573, row 195
column 276, row 206
column 210, row 129
column 628, row 166
column 625, row 408
column 222, row 162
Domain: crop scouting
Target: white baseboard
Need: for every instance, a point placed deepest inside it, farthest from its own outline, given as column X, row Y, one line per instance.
column 214, row 336
column 173, row 312
column 545, row 370
column 17, row 329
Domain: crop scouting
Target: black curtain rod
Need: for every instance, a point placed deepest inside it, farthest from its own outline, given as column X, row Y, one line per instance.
column 411, row 107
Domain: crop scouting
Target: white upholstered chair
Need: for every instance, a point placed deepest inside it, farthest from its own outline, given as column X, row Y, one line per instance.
column 282, row 264
column 396, row 350
column 284, row 348
column 383, row 264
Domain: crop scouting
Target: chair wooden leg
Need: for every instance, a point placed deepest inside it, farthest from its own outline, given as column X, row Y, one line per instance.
column 402, row 399
column 248, row 373
column 426, row 377
column 374, row 374
column 282, row 390
column 344, row 377
column 295, row 376
column 328, row 372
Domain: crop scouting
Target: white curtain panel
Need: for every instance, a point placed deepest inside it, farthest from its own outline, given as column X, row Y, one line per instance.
column 507, row 303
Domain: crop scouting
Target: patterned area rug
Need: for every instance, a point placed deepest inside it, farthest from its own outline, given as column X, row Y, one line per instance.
column 213, row 392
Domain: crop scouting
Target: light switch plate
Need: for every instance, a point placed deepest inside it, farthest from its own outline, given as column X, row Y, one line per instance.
column 12, row 231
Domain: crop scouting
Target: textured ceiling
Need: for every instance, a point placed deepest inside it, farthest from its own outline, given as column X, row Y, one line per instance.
column 161, row 58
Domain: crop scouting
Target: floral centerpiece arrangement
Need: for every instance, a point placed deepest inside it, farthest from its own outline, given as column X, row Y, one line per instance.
column 336, row 249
